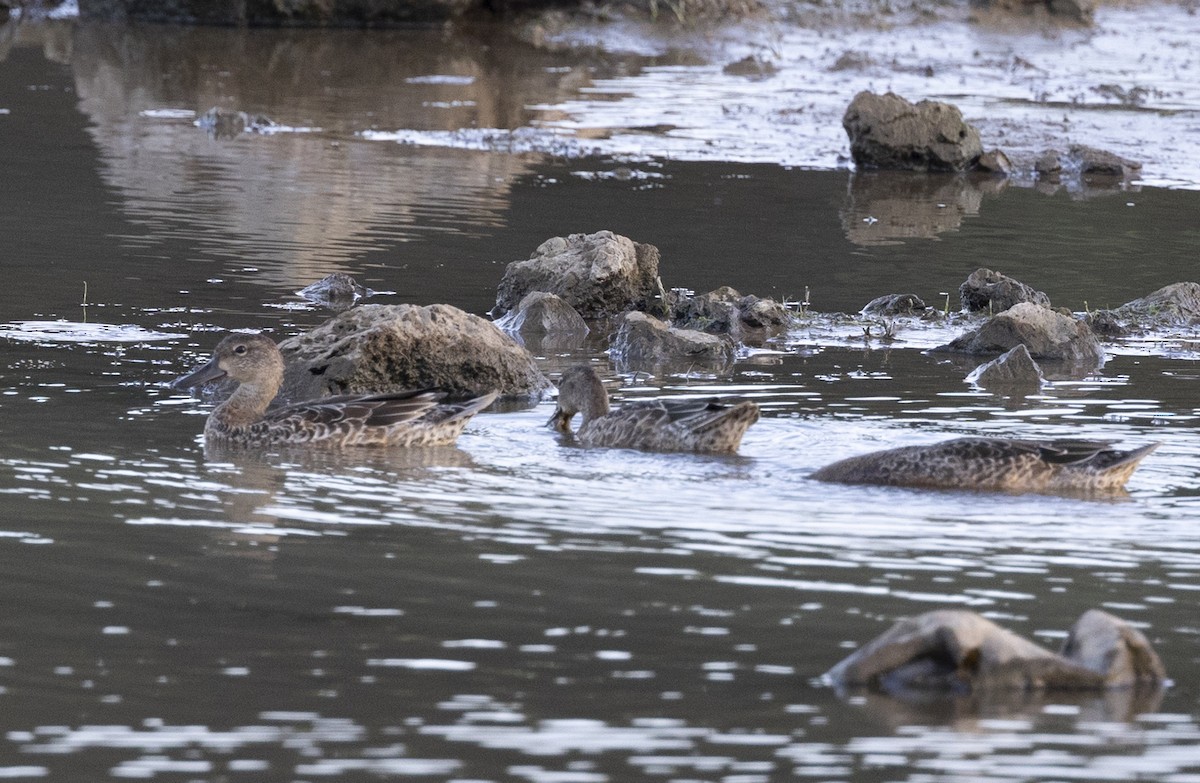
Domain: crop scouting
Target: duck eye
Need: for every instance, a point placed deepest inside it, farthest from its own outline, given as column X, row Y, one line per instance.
column 239, row 350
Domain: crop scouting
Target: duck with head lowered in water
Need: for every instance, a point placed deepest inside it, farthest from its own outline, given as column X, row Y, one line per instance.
column 704, row 425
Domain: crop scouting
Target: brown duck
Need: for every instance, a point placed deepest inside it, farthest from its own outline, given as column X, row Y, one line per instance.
column 707, row 425
column 407, row 418
column 998, row 464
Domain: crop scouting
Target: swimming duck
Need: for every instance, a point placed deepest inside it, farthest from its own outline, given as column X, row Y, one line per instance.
column 707, row 425
column 407, row 418
column 998, row 464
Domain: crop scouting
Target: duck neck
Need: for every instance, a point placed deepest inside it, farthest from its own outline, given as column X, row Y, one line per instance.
column 245, row 406
column 595, row 407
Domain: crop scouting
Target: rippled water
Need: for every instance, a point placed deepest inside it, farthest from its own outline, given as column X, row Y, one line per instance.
column 515, row 608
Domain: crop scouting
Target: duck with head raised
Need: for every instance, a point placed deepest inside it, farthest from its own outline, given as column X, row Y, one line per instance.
column 995, row 464
column 704, row 425
column 407, row 418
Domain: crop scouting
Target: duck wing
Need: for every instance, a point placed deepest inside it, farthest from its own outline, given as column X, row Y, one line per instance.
column 357, row 411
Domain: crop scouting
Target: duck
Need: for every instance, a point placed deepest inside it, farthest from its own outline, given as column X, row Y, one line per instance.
column 995, row 464
column 407, row 418
column 708, row 426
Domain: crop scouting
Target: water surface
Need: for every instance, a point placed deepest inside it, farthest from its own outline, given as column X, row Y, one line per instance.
column 514, row 608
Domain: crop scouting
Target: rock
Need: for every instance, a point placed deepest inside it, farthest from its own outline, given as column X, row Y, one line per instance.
column 292, row 13
column 1083, row 11
column 886, row 131
column 1099, row 164
column 1172, row 305
column 1013, row 370
column 381, row 348
column 725, row 311
column 995, row 293
column 599, row 274
column 644, row 342
column 994, row 162
column 1048, row 163
column 1047, row 334
column 543, row 313
column 959, row 651
column 1107, row 644
column 895, row 304
column 752, row 67
column 225, row 124
column 338, row 291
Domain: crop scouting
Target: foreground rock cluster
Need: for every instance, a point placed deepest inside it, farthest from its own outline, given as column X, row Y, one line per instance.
column 958, row 651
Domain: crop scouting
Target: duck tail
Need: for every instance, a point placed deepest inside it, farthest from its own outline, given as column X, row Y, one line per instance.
column 466, row 410
column 723, row 432
column 1115, row 467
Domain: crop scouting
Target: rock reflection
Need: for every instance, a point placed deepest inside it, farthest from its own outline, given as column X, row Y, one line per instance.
column 887, row 207
column 296, row 204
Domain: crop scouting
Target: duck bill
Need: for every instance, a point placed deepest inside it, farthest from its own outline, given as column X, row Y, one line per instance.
column 559, row 421
column 200, row 376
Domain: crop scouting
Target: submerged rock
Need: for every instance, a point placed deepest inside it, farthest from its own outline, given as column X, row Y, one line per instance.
column 985, row 290
column 1014, row 370
column 382, row 348
column 894, row 304
column 887, row 131
column 600, row 274
column 543, row 313
column 1099, row 164
column 225, row 124
column 725, row 311
column 644, row 342
column 958, row 651
column 338, row 291
column 1046, row 333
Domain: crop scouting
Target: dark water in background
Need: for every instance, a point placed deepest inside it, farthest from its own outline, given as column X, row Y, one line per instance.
column 513, row 609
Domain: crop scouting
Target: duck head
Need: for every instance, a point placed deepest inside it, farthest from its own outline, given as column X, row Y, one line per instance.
column 579, row 391
column 246, row 358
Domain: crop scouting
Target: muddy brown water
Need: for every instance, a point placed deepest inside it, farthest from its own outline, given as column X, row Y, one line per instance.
column 514, row 609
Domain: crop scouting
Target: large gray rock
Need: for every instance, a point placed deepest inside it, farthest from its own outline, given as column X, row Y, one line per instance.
column 960, row 651
column 381, row 348
column 1047, row 334
column 643, row 343
column 601, row 274
column 888, row 132
column 985, row 290
column 1173, row 305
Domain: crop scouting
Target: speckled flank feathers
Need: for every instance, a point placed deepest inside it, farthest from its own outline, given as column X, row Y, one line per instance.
column 998, row 464
column 408, row 418
column 707, row 425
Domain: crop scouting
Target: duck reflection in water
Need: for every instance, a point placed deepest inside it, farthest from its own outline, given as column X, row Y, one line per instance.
column 407, row 418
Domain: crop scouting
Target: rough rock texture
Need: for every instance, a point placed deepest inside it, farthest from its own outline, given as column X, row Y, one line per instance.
column 1013, row 370
column 380, row 348
column 994, row 162
column 1173, row 305
column 959, row 651
column 277, row 12
column 725, row 311
column 886, row 131
column 985, row 290
column 1047, row 334
column 644, row 342
column 543, row 313
column 895, row 304
column 599, row 274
